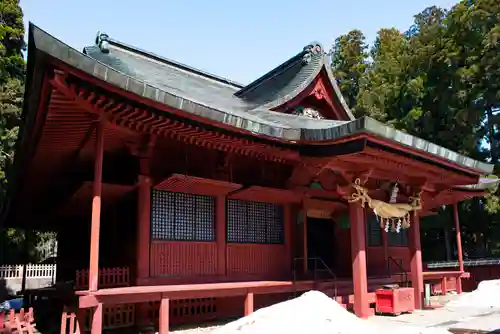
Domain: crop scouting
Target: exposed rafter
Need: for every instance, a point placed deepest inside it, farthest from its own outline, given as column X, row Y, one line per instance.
column 147, row 121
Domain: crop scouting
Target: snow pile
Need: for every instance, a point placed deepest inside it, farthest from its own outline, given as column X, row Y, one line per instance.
column 313, row 312
column 487, row 295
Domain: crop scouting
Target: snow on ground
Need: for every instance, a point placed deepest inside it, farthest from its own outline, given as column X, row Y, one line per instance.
column 487, row 295
column 313, row 312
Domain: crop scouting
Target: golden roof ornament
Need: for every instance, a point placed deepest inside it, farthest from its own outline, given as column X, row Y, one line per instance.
column 395, row 214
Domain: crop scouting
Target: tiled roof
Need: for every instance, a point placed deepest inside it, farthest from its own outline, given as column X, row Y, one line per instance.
column 221, row 100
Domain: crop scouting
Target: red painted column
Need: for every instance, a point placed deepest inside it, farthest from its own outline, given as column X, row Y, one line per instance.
column 96, row 225
column 357, row 221
column 220, row 230
column 164, row 317
column 288, row 223
column 96, row 209
column 143, row 241
column 97, row 320
column 249, row 301
column 459, row 246
column 143, row 226
column 417, row 278
column 304, row 243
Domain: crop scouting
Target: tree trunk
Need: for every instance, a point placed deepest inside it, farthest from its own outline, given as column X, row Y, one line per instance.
column 491, row 135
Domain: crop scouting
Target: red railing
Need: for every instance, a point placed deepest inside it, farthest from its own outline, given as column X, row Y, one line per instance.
column 22, row 322
column 116, row 316
column 108, row 278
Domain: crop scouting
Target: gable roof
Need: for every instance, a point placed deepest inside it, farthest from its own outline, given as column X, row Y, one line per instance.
column 289, row 79
column 216, row 99
column 273, row 89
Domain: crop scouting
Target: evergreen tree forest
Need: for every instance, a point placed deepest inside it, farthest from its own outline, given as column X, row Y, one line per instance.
column 12, row 75
column 438, row 80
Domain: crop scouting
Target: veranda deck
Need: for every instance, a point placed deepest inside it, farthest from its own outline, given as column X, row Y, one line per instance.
column 338, row 289
column 446, row 280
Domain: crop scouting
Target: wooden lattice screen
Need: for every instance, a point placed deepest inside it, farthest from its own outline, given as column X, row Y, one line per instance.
column 182, row 217
column 254, row 222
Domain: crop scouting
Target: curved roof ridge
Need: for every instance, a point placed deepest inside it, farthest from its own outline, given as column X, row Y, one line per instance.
column 286, row 81
column 268, row 75
column 102, row 37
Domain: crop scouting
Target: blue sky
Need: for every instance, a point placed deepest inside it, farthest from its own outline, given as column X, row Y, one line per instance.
column 240, row 41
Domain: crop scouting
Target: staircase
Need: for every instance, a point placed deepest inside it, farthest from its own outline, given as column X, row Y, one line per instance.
column 317, row 271
column 341, row 291
column 404, row 281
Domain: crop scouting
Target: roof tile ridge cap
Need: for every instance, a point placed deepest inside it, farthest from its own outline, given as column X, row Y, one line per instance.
column 166, row 61
column 314, row 74
column 336, row 88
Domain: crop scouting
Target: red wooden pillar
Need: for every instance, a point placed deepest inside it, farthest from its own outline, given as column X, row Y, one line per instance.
column 249, row 303
column 164, row 316
column 143, row 241
column 459, row 246
column 143, row 226
column 96, row 225
column 288, row 221
column 220, row 229
column 97, row 320
column 96, row 208
column 357, row 221
column 304, row 243
column 417, row 278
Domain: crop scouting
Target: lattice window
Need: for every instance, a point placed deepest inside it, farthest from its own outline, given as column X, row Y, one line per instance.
column 254, row 222
column 373, row 231
column 182, row 217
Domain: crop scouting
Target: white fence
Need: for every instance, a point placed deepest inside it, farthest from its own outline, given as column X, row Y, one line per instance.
column 32, row 271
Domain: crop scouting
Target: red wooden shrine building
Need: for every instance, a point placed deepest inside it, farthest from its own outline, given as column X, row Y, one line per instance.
column 208, row 197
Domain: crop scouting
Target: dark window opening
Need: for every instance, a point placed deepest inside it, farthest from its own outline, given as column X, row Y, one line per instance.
column 254, row 222
column 182, row 217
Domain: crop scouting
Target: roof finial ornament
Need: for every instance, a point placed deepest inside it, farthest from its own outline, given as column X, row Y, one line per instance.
column 101, row 41
column 310, row 50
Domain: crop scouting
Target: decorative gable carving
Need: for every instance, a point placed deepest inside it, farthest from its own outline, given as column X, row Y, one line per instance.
column 308, row 112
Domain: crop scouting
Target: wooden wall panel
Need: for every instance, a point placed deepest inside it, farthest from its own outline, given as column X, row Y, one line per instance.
column 183, row 259
column 343, row 263
column 256, row 261
column 376, row 261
